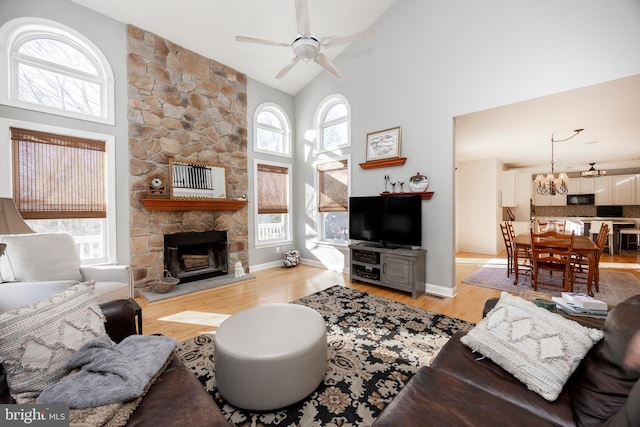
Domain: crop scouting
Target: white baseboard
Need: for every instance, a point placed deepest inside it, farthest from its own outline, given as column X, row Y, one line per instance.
column 265, row 266
column 440, row 290
column 272, row 264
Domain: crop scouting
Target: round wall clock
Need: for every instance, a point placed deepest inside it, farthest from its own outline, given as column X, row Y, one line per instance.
column 156, row 186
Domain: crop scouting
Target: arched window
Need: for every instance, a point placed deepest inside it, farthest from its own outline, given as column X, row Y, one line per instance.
column 55, row 69
column 333, row 121
column 272, row 130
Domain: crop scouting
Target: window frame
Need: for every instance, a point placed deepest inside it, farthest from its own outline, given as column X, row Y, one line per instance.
column 320, row 124
column 320, row 215
column 21, row 30
column 286, row 131
column 6, row 174
column 287, row 239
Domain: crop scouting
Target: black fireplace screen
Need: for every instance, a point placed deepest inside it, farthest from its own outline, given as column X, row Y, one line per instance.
column 196, row 256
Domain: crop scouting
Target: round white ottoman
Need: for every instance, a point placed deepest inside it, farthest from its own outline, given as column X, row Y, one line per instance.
column 270, row 356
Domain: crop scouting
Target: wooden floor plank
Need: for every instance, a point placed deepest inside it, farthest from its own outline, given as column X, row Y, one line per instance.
column 287, row 284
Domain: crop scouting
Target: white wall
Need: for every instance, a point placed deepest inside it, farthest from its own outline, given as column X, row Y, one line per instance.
column 433, row 60
column 110, row 37
column 478, row 209
column 258, row 93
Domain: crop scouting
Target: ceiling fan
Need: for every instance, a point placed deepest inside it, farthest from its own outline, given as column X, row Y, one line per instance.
column 306, row 46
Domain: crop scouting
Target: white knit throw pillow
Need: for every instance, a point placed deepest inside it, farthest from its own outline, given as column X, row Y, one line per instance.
column 37, row 340
column 539, row 348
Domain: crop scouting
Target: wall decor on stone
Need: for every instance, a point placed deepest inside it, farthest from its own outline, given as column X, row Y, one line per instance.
column 182, row 106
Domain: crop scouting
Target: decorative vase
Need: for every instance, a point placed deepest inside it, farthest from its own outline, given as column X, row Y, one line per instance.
column 418, row 183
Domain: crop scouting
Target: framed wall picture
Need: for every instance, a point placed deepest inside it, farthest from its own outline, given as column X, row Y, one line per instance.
column 195, row 180
column 384, row 144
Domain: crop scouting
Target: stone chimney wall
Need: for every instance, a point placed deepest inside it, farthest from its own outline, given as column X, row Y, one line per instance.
column 183, row 106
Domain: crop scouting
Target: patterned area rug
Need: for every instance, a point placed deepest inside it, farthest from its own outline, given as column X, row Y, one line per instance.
column 375, row 347
column 615, row 286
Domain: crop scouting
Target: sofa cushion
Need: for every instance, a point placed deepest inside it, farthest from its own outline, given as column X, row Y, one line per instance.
column 539, row 348
column 18, row 294
column 36, row 341
column 459, row 361
column 600, row 387
column 42, row 257
column 434, row 398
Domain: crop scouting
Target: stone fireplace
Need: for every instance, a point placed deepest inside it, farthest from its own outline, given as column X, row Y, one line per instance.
column 187, row 107
column 196, row 256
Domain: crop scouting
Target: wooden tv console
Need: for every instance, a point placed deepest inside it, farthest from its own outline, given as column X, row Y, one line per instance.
column 397, row 268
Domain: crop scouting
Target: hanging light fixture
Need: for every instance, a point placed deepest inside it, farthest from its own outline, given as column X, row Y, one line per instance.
column 550, row 184
column 592, row 172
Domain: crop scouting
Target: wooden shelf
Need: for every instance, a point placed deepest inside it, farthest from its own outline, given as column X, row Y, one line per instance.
column 193, row 205
column 384, row 163
column 426, row 195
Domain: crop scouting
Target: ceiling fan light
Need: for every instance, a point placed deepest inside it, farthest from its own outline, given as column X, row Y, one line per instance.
column 306, row 48
column 592, row 172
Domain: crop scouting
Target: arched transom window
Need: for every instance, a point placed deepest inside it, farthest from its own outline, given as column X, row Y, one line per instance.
column 333, row 122
column 53, row 68
column 272, row 130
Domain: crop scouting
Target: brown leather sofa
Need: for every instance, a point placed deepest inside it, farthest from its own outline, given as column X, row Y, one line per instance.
column 176, row 397
column 459, row 390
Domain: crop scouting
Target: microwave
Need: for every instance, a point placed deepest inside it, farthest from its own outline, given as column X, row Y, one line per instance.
column 580, row 199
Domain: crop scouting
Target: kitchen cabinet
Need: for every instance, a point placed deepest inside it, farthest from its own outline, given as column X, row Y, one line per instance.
column 587, row 186
column 616, row 190
column 581, row 186
column 603, row 191
column 574, row 186
column 624, row 189
column 510, row 189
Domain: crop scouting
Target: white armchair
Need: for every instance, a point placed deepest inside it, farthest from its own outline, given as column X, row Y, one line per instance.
column 37, row 266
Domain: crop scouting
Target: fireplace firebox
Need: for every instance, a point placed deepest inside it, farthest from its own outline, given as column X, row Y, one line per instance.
column 196, row 256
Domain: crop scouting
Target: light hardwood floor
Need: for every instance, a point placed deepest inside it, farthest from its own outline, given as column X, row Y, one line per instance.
column 197, row 313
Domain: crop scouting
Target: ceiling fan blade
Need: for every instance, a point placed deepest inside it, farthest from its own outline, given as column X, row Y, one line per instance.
column 260, row 41
column 326, row 63
column 302, row 17
column 338, row 40
column 287, row 68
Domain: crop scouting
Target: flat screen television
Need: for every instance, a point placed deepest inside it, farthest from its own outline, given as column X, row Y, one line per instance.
column 390, row 220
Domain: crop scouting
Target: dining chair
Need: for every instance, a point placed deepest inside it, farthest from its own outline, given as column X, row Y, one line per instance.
column 561, row 227
column 594, row 229
column 552, row 252
column 581, row 265
column 551, row 225
column 524, row 253
column 541, row 226
column 506, row 237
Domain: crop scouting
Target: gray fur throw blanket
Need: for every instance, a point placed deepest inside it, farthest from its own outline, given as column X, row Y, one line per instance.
column 109, row 374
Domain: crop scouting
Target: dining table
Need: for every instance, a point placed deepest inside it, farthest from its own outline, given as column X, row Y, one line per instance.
column 582, row 245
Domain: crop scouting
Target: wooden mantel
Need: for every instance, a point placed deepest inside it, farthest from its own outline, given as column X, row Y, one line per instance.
column 193, row 205
column 426, row 195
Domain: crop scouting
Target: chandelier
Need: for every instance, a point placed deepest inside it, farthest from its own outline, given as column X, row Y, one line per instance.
column 592, row 172
column 550, row 185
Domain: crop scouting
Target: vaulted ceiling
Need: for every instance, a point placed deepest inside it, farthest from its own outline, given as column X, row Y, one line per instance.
column 209, row 27
column 518, row 134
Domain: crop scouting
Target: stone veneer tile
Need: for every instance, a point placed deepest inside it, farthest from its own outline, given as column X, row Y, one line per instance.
column 184, row 106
